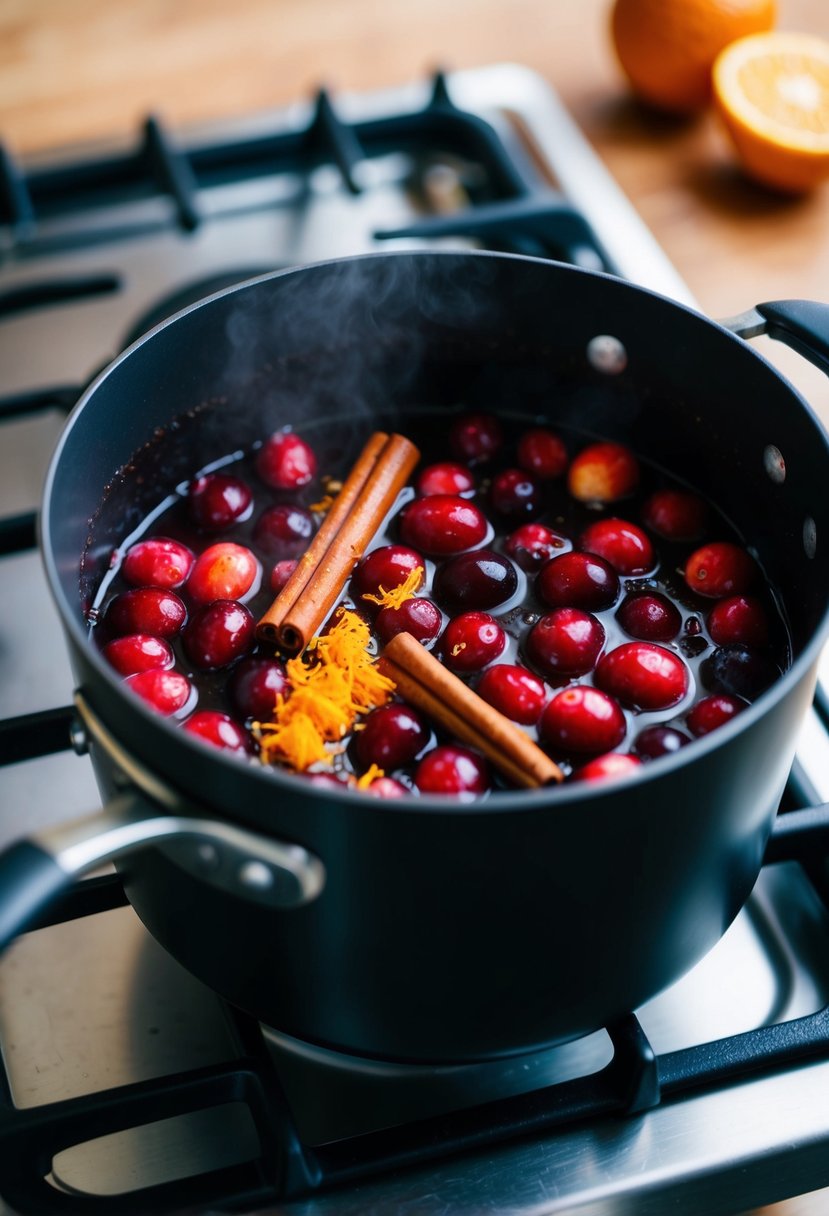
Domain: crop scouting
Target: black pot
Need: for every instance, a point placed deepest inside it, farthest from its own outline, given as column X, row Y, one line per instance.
column 424, row 929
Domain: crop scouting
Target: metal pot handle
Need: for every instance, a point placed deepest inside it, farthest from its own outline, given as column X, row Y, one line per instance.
column 801, row 324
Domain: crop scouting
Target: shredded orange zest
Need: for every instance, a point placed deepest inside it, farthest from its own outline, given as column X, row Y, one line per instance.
column 324, row 505
column 398, row 595
column 369, row 776
column 458, row 647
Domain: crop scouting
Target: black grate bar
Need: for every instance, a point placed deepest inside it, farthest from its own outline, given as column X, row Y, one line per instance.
column 86, row 897
column 799, row 835
column 15, row 201
column 18, row 533
column 30, row 736
column 337, row 139
column 171, row 169
column 60, row 397
column 29, row 296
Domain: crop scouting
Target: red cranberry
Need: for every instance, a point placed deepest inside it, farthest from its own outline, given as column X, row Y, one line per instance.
column 720, row 569
column 138, row 652
column 167, row 692
column 387, row 787
column 542, row 452
column 643, row 676
column 224, row 571
column 741, row 618
column 255, row 685
column 532, row 544
column 565, row 642
column 677, row 515
column 445, row 478
column 655, row 741
column 578, row 580
column 442, row 524
column 452, row 771
column 471, row 641
column 603, row 472
column 158, row 562
column 476, row 437
column 146, row 610
column 421, row 618
column 384, row 569
column 649, row 615
column 391, row 737
column 479, row 580
column 614, row 764
column 516, row 494
column 218, row 730
column 582, row 720
column 713, row 711
column 739, row 670
column 280, row 574
column 219, row 633
column 514, row 692
column 284, row 530
column 286, row 462
column 621, row 543
column 217, row 501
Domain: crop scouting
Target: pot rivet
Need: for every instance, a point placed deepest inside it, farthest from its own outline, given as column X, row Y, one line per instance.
column 774, row 464
column 607, row 354
column 207, row 856
column 809, row 536
column 256, row 874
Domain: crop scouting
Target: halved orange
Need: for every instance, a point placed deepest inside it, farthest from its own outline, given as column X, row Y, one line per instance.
column 772, row 93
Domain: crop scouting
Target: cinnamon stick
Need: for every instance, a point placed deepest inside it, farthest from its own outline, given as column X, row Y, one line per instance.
column 368, row 494
column 423, row 681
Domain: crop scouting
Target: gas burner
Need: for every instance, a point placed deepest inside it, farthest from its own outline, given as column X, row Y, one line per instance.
column 189, row 294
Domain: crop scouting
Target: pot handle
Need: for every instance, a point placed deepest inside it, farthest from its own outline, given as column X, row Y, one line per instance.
column 801, row 324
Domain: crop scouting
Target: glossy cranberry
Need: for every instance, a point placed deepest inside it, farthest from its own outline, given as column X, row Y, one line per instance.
column 167, row 692
column 476, row 438
column 219, row 633
column 286, row 462
column 543, row 453
column 218, row 730
column 643, row 676
column 217, row 501
column 442, row 524
column 280, row 574
column 739, row 670
column 614, row 764
column 621, row 543
column 713, row 711
column 157, row 562
column 578, row 580
column 565, row 642
column 146, row 610
column 740, row 618
column 677, row 515
column 649, row 615
column 326, row 781
column 421, row 618
column 384, row 569
column 582, row 720
column 533, row 544
column 471, row 641
column 138, row 652
column 516, row 494
column 453, row 771
column 284, row 531
column 479, row 580
column 387, row 787
column 391, row 737
column 224, row 571
column 603, row 472
column 445, row 478
column 656, row 741
column 514, row 692
column 720, row 569
column 255, row 685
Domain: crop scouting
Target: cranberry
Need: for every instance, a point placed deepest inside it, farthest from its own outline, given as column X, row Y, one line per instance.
column 387, row 787
column 582, row 719
column 442, row 524
column 713, row 711
column 741, row 618
column 614, row 764
column 514, row 692
column 578, row 580
column 224, row 571
column 421, row 618
column 516, row 494
column 146, row 610
column 217, row 501
column 167, row 692
column 479, row 580
column 384, row 569
column 284, row 531
column 677, row 515
column 286, row 462
column 219, row 633
column 453, row 771
column 532, row 544
column 739, row 670
column 655, row 741
column 138, row 652
column 158, row 562
column 218, row 730
column 720, row 569
column 255, row 685
column 392, row 737
column 471, row 641
column 603, row 472
column 621, row 543
column 565, row 642
column 649, row 615
column 643, row 676
column 326, row 781
column 542, row 452
column 280, row 574
column 476, row 437
column 445, row 478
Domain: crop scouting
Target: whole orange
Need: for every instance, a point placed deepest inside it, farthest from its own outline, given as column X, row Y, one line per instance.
column 667, row 47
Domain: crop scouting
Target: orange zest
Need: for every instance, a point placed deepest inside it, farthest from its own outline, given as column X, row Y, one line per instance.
column 398, row 595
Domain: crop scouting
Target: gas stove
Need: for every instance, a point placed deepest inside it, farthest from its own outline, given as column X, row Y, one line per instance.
column 122, row 1072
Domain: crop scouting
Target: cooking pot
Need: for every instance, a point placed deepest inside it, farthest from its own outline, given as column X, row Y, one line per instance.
column 426, row 929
